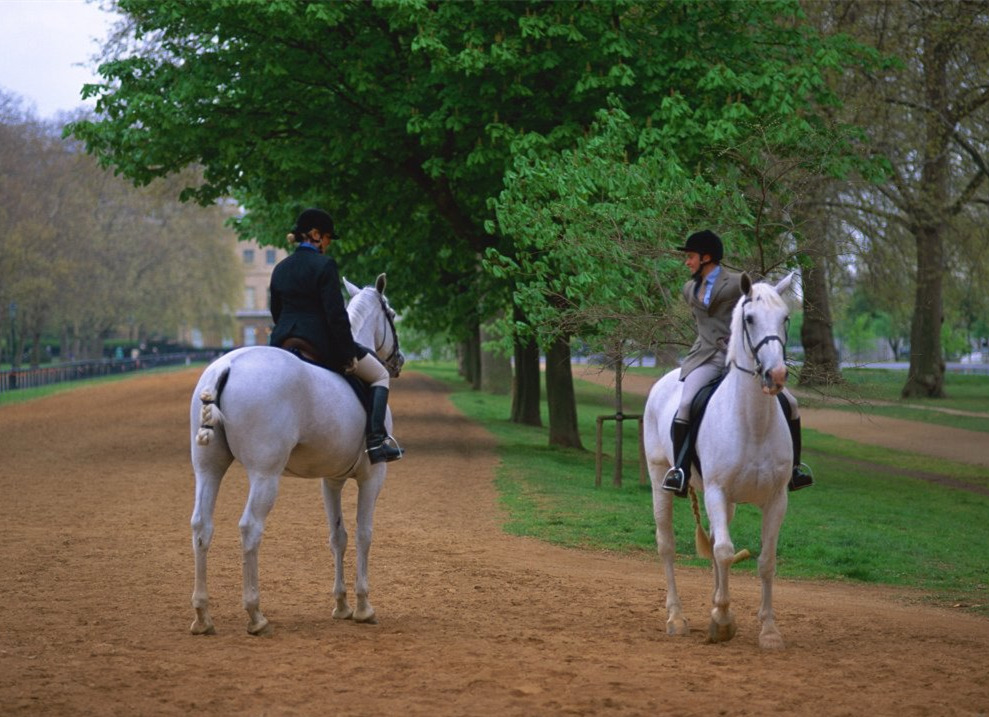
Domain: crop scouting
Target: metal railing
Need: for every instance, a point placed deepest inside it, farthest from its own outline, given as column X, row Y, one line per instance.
column 15, row 379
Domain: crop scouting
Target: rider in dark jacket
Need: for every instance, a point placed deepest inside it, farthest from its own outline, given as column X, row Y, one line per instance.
column 311, row 321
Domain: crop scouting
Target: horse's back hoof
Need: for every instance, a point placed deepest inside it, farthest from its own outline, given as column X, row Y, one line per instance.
column 202, row 628
column 343, row 613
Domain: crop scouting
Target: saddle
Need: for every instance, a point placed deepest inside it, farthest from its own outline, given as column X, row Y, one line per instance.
column 698, row 407
column 303, row 349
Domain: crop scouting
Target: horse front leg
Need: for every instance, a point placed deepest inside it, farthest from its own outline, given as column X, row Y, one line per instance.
column 338, row 544
column 208, row 480
column 367, row 497
column 722, row 627
column 662, row 508
column 772, row 519
column 260, row 500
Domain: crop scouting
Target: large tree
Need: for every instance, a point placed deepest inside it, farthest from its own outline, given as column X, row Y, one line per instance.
column 929, row 114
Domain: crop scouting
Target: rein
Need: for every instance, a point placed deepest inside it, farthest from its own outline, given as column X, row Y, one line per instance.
column 393, row 363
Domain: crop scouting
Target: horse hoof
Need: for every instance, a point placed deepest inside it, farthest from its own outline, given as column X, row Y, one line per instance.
column 720, row 633
column 259, row 628
column 677, row 627
column 771, row 640
column 202, row 627
column 368, row 618
column 343, row 613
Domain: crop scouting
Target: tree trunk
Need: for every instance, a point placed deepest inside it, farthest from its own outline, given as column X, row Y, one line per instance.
column 821, row 364
column 496, row 370
column 926, row 376
column 469, row 356
column 525, row 384
column 560, row 396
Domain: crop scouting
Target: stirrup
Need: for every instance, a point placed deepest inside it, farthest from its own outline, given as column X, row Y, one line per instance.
column 801, row 478
column 386, row 451
column 675, row 481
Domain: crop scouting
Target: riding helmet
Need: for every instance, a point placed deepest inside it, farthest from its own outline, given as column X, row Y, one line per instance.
column 313, row 219
column 705, row 242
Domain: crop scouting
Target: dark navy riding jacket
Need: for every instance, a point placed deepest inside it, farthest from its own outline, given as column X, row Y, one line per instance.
column 307, row 303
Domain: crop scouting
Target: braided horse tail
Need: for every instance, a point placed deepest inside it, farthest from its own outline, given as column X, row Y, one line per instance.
column 702, row 541
column 210, row 417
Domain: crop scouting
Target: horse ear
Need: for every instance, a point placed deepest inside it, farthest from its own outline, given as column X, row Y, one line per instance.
column 784, row 283
column 746, row 283
column 379, row 283
column 351, row 289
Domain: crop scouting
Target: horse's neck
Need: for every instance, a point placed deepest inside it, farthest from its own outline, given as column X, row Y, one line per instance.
column 360, row 323
column 743, row 393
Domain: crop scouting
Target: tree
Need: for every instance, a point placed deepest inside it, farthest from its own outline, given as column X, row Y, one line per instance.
column 928, row 115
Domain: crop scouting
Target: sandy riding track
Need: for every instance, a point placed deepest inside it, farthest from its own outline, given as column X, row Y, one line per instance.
column 96, row 576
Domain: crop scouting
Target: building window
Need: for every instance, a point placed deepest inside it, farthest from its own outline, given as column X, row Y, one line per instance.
column 269, row 257
column 250, row 336
column 250, row 300
column 248, row 256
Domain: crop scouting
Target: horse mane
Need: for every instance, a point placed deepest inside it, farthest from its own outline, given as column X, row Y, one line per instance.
column 359, row 306
column 758, row 292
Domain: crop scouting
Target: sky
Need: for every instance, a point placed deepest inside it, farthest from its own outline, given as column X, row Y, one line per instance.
column 42, row 45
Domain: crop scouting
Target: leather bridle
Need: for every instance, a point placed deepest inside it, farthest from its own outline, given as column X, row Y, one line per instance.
column 754, row 349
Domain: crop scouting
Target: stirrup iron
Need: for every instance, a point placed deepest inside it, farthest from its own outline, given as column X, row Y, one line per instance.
column 386, row 451
column 675, row 481
column 801, row 477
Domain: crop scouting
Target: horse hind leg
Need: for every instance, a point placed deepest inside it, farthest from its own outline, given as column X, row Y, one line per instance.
column 338, row 545
column 770, row 637
column 208, row 478
column 260, row 500
column 662, row 502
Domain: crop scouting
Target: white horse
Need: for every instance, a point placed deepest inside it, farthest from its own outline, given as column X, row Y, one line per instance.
column 745, row 452
column 278, row 414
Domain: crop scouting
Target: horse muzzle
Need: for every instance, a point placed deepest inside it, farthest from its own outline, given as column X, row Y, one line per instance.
column 774, row 380
column 394, row 365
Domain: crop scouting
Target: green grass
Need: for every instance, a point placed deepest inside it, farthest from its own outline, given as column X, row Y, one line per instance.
column 869, row 518
column 877, row 391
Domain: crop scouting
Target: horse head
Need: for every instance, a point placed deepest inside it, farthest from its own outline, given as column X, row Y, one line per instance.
column 758, row 333
column 373, row 322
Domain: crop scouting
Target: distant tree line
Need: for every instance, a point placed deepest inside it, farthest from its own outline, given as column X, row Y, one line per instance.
column 85, row 256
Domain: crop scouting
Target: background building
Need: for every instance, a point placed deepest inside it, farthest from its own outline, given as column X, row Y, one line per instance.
column 254, row 315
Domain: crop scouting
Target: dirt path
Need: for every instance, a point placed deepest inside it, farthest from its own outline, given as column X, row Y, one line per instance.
column 954, row 444
column 96, row 574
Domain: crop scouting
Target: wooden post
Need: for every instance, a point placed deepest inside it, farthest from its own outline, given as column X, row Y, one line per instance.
column 618, row 418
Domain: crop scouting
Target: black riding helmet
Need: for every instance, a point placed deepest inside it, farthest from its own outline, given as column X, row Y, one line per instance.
column 705, row 242
column 313, row 219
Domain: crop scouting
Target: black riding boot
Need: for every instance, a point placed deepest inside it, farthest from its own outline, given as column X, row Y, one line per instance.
column 380, row 446
column 677, row 478
column 801, row 477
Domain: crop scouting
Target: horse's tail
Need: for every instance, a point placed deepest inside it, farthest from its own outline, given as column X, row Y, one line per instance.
column 210, row 417
column 702, row 540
